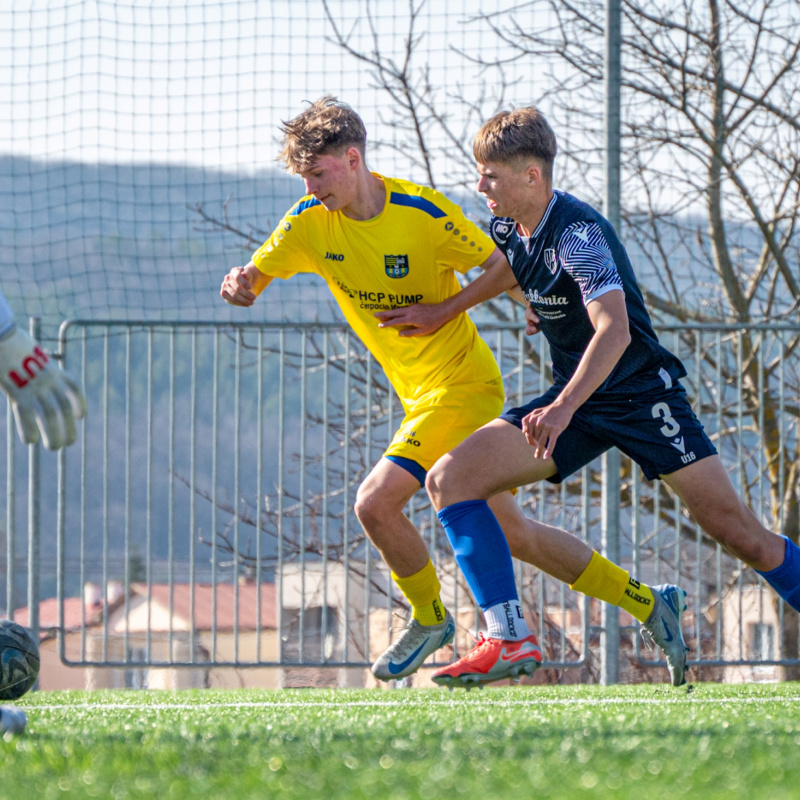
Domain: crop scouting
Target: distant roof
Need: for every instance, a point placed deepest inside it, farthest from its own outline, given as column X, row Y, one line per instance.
column 74, row 609
column 225, row 598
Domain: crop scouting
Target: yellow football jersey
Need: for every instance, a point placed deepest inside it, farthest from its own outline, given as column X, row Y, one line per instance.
column 405, row 255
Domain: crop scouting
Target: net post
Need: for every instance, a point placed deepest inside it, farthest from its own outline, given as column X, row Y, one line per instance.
column 612, row 78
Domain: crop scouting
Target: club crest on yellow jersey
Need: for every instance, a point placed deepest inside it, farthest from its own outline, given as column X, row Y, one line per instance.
column 396, row 266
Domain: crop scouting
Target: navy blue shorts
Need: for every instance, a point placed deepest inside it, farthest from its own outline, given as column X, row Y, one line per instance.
column 657, row 429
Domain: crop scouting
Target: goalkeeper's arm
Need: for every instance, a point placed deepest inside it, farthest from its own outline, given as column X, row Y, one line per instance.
column 46, row 401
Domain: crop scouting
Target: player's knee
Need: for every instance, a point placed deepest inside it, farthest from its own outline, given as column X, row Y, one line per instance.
column 375, row 507
column 439, row 482
column 366, row 511
column 367, row 506
column 452, row 480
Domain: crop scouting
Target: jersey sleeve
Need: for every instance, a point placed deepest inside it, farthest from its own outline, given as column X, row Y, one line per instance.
column 584, row 253
column 285, row 253
column 460, row 243
column 500, row 229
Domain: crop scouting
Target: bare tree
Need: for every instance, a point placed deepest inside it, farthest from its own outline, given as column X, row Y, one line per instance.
column 711, row 149
column 711, row 175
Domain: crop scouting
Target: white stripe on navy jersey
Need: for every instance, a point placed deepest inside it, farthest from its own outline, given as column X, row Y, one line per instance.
column 573, row 257
column 546, row 214
column 585, row 254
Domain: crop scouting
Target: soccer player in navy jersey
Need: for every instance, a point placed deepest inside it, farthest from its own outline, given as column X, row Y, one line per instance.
column 614, row 386
column 346, row 229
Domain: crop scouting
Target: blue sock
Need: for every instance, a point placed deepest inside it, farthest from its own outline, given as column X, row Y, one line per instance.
column 785, row 579
column 481, row 551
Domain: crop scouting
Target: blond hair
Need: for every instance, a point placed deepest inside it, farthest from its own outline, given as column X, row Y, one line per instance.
column 326, row 126
column 514, row 138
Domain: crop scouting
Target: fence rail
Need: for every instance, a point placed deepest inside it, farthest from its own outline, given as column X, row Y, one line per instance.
column 204, row 518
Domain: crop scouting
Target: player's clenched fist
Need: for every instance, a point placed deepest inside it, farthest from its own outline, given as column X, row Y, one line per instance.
column 532, row 321
column 237, row 288
column 46, row 401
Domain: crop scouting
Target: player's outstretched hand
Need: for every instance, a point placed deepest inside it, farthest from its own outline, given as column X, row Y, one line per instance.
column 532, row 321
column 415, row 320
column 236, row 288
column 46, row 401
column 543, row 426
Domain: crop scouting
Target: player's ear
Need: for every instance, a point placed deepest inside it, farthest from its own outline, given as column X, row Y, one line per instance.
column 353, row 157
column 534, row 173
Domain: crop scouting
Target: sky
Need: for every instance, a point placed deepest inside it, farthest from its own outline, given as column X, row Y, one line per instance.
column 139, row 84
column 201, row 82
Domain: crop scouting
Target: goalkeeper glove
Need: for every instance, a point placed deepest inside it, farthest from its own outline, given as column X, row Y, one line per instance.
column 43, row 397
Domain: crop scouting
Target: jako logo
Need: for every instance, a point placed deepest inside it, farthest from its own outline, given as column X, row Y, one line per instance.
column 334, row 256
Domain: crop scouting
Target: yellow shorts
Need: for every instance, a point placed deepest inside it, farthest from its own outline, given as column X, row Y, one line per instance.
column 443, row 418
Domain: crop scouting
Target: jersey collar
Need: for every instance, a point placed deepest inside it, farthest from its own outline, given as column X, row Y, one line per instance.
column 543, row 220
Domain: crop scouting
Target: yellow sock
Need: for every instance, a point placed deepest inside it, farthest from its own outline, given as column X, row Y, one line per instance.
column 637, row 600
column 606, row 581
column 602, row 579
column 422, row 592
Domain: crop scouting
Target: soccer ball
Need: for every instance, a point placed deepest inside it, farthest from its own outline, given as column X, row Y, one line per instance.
column 19, row 660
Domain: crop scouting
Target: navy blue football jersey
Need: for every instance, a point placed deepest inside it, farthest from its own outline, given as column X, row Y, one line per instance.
column 573, row 257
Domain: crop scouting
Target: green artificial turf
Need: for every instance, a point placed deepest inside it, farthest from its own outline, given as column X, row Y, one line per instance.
column 643, row 742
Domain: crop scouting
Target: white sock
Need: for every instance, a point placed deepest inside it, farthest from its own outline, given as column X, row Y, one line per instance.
column 505, row 621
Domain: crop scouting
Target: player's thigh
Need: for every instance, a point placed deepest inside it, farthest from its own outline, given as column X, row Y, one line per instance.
column 387, row 486
column 493, row 459
column 442, row 420
column 707, row 491
column 579, row 444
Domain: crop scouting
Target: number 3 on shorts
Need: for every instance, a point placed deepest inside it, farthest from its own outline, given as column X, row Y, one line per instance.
column 670, row 426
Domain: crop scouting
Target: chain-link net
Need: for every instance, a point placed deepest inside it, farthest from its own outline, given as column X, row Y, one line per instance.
column 137, row 140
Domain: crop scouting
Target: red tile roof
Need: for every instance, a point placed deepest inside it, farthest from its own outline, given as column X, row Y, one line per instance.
column 181, row 605
column 48, row 613
column 225, row 599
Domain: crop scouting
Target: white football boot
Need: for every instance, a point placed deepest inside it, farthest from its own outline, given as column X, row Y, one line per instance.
column 412, row 646
column 664, row 627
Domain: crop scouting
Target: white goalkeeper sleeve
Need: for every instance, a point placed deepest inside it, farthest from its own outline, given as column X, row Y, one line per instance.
column 46, row 401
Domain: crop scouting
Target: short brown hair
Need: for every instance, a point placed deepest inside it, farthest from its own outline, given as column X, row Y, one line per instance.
column 512, row 137
column 326, row 125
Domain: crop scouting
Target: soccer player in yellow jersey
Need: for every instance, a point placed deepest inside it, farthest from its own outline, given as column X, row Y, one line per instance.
column 380, row 244
column 383, row 244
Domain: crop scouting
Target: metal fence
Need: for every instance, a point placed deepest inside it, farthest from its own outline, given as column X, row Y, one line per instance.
column 204, row 518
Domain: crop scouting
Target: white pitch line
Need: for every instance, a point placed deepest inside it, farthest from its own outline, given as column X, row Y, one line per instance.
column 406, row 703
